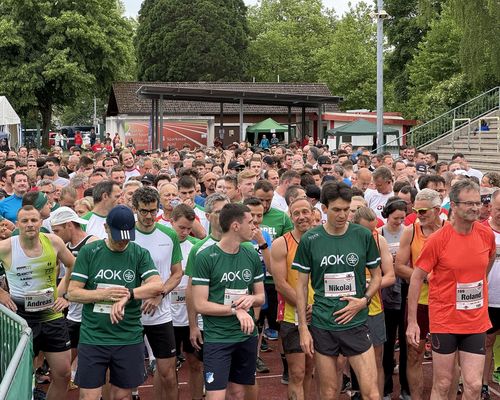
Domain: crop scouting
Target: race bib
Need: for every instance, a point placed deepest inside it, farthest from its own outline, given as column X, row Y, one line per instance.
column 393, row 248
column 105, row 306
column 231, row 295
column 340, row 284
column 39, row 300
column 178, row 296
column 470, row 295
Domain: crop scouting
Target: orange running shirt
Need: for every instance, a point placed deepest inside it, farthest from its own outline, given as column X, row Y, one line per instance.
column 458, row 290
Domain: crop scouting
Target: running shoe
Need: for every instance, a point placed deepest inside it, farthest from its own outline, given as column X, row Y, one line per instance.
column 264, row 347
column 460, row 389
column 261, row 366
column 284, row 378
column 404, row 395
column 72, row 385
column 495, row 377
column 395, row 371
column 346, row 383
column 485, row 393
column 396, row 345
column 271, row 334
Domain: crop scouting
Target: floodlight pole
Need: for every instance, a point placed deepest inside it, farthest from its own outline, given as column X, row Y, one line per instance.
column 380, row 15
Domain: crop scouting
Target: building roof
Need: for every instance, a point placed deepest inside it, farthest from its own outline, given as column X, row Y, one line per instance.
column 126, row 99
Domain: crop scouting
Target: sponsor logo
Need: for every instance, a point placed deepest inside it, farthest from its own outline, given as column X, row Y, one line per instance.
column 352, row 259
column 129, row 275
column 247, row 275
column 230, row 276
column 332, row 259
column 209, row 377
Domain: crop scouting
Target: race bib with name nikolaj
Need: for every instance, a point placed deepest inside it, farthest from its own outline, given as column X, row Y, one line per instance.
column 105, row 306
column 39, row 300
column 231, row 295
column 470, row 295
column 178, row 296
column 340, row 284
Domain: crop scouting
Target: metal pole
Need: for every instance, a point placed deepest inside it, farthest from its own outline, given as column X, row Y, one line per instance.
column 289, row 124
column 303, row 122
column 160, row 142
column 221, row 122
column 242, row 134
column 380, row 75
column 153, row 121
column 320, row 122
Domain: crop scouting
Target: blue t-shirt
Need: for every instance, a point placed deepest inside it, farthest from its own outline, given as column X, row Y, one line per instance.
column 10, row 206
column 269, row 241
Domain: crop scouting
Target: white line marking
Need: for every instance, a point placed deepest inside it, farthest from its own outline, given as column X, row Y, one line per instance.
column 185, row 383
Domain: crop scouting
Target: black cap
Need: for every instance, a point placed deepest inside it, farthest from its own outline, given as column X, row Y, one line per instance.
column 269, row 160
column 421, row 167
column 121, row 223
column 324, row 160
column 148, row 178
column 235, row 165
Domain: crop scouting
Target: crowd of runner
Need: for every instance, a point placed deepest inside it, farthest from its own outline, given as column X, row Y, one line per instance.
column 130, row 262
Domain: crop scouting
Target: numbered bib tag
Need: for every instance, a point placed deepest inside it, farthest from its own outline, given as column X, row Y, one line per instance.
column 178, row 296
column 39, row 300
column 470, row 295
column 340, row 284
column 105, row 306
column 393, row 248
column 231, row 295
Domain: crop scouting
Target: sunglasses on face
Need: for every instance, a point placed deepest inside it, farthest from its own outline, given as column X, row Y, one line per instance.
column 421, row 211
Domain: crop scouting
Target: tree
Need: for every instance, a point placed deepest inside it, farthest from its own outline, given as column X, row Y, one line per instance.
column 53, row 52
column 193, row 40
column 436, row 81
column 349, row 63
column 479, row 44
column 285, row 34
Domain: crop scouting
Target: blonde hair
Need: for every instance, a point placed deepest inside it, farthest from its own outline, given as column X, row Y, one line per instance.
column 365, row 213
column 87, row 202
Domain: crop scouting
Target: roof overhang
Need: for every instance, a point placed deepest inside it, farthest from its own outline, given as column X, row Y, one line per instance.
column 230, row 96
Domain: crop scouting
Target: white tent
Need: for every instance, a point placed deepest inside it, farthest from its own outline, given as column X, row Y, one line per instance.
column 10, row 123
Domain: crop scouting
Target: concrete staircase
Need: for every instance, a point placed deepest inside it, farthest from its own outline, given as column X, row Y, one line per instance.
column 481, row 148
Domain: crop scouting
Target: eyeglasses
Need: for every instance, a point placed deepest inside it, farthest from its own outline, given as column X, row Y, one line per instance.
column 421, row 211
column 326, row 169
column 469, row 204
column 145, row 212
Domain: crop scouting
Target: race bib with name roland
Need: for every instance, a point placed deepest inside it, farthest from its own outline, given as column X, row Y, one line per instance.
column 470, row 295
column 340, row 284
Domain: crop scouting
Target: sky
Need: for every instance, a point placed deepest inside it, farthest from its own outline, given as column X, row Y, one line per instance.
column 340, row 6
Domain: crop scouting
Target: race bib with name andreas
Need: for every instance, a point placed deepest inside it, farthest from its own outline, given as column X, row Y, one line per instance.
column 39, row 300
column 231, row 295
column 340, row 284
column 105, row 306
column 470, row 295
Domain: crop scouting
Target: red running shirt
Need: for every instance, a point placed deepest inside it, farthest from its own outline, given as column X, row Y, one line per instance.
column 458, row 264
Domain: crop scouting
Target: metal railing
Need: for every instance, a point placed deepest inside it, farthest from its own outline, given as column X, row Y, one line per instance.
column 16, row 357
column 442, row 125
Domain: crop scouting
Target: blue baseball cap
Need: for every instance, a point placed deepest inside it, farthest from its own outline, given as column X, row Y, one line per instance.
column 121, row 223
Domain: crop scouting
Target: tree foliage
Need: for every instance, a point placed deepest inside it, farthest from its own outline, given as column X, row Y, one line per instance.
column 193, row 40
column 285, row 34
column 53, row 52
column 348, row 64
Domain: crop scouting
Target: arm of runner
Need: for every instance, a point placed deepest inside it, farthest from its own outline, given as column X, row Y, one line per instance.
column 149, row 306
column 306, row 340
column 388, row 277
column 7, row 301
column 401, row 265
column 356, row 304
column 205, row 307
column 266, row 253
column 413, row 330
column 278, row 262
column 151, row 287
column 194, row 331
column 197, row 230
column 78, row 294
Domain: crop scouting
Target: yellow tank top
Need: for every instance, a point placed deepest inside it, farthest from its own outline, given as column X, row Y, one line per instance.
column 416, row 247
column 292, row 277
column 376, row 306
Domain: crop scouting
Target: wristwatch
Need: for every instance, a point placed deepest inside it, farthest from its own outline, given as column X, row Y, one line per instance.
column 263, row 246
column 131, row 291
column 368, row 300
column 233, row 309
column 65, row 296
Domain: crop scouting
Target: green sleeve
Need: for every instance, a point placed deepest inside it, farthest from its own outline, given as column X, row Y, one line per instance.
column 85, row 217
column 176, row 251
column 372, row 253
column 201, row 273
column 146, row 266
column 302, row 261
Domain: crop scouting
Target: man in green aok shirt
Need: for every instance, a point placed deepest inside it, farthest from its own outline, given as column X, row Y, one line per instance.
column 336, row 255
column 226, row 284
column 110, row 278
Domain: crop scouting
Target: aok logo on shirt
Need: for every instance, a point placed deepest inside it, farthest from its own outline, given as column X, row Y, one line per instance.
column 350, row 259
column 110, row 274
column 246, row 274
